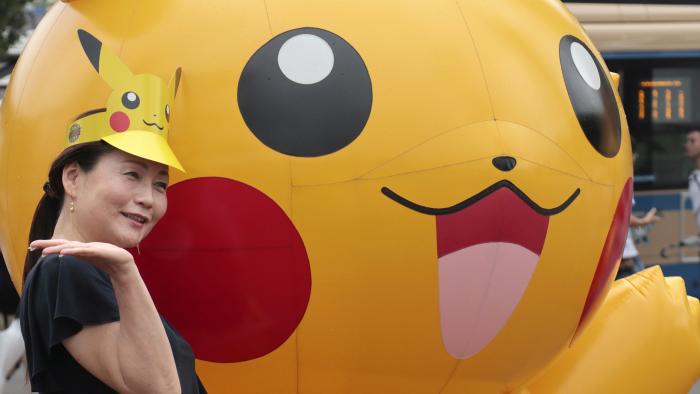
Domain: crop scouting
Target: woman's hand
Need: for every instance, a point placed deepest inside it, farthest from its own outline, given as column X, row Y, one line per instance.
column 115, row 261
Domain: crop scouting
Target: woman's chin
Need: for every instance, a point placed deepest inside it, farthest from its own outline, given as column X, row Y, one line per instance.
column 127, row 241
column 129, row 238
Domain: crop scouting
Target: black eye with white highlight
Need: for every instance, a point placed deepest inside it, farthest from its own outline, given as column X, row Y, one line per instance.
column 131, row 100
column 591, row 96
column 305, row 93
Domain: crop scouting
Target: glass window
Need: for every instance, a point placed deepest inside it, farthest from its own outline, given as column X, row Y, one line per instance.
column 661, row 98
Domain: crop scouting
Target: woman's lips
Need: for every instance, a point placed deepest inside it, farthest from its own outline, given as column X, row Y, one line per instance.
column 488, row 247
column 137, row 221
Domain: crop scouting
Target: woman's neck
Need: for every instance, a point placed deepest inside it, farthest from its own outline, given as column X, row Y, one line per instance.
column 66, row 228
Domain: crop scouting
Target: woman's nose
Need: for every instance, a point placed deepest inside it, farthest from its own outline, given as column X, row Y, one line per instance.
column 145, row 198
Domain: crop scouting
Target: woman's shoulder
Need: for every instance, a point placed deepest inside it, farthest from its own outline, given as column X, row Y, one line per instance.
column 67, row 288
column 60, row 296
column 53, row 269
column 51, row 263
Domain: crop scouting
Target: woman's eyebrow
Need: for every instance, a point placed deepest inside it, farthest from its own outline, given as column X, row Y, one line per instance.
column 145, row 167
column 138, row 163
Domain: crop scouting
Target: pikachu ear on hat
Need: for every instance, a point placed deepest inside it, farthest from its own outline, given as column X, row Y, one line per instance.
column 174, row 83
column 105, row 62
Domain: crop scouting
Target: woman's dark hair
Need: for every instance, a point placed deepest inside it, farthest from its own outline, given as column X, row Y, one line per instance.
column 49, row 207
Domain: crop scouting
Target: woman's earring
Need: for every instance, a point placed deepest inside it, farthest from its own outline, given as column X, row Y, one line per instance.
column 72, row 206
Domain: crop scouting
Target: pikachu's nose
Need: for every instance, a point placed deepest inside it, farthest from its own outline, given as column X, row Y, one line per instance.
column 504, row 163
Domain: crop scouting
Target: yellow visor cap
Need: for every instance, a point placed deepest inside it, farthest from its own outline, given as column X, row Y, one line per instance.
column 136, row 115
column 146, row 144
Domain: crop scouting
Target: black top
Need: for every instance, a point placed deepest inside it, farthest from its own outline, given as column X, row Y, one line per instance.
column 60, row 296
column 8, row 294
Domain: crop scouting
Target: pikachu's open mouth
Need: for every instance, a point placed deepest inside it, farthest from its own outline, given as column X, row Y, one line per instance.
column 488, row 247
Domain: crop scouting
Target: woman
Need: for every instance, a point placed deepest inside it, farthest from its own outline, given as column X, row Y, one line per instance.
column 88, row 321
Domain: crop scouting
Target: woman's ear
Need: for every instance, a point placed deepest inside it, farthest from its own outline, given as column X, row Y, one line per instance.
column 71, row 176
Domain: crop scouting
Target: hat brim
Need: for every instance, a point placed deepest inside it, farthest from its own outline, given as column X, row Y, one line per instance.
column 145, row 144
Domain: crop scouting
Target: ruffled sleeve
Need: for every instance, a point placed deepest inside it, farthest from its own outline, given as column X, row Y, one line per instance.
column 60, row 296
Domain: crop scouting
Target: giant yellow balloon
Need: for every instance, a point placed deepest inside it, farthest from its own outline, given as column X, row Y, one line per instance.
column 380, row 197
column 647, row 325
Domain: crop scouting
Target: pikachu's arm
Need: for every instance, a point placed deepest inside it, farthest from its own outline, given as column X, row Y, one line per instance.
column 644, row 339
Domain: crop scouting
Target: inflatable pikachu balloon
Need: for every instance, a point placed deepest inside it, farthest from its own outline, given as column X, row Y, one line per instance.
column 380, row 197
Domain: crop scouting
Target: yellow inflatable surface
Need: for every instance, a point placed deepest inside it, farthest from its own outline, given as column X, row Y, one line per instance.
column 380, row 197
column 644, row 339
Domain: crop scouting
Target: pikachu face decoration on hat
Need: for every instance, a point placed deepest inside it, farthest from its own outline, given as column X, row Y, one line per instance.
column 137, row 114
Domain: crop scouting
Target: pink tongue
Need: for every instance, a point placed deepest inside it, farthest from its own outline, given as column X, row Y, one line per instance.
column 487, row 253
column 480, row 286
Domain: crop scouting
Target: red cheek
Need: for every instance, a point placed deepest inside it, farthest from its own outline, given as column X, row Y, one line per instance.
column 119, row 121
column 610, row 255
column 227, row 268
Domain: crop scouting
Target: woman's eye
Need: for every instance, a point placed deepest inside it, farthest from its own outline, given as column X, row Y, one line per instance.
column 133, row 175
column 161, row 185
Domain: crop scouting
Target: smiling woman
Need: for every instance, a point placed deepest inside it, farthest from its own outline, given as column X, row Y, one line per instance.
column 118, row 205
column 88, row 321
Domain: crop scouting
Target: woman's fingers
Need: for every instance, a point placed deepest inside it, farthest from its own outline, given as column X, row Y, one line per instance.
column 45, row 243
column 78, row 251
column 60, row 247
column 92, row 249
column 97, row 252
column 87, row 250
column 109, row 257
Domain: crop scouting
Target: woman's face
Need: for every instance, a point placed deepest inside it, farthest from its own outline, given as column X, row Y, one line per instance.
column 120, row 200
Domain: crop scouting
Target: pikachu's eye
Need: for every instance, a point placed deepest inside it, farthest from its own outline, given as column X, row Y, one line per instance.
column 131, row 100
column 592, row 97
column 305, row 93
column 167, row 112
